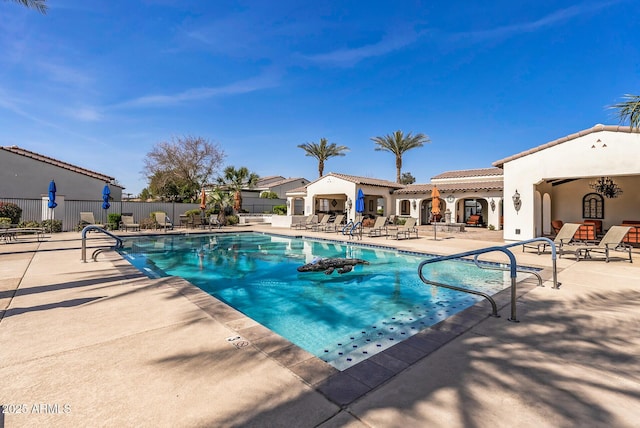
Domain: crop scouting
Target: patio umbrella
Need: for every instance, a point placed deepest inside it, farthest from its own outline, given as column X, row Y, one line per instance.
column 52, row 195
column 435, row 209
column 106, row 194
column 360, row 202
column 203, row 202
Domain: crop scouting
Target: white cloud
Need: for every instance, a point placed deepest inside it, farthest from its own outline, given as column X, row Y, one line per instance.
column 258, row 83
column 350, row 57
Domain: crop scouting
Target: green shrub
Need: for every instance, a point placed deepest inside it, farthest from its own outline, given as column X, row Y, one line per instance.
column 400, row 221
column 29, row 223
column 193, row 212
column 148, row 223
column 232, row 219
column 10, row 210
column 491, row 227
column 280, row 209
column 52, row 225
column 5, row 220
column 269, row 195
column 113, row 221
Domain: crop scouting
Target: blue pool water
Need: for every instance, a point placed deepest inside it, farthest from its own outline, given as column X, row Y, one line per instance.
column 341, row 318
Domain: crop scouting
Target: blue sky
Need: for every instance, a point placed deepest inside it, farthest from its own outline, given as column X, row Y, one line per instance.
column 98, row 83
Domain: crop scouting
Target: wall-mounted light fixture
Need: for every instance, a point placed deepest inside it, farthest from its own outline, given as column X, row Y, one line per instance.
column 493, row 205
column 349, row 203
column 414, row 204
column 288, row 203
column 516, row 200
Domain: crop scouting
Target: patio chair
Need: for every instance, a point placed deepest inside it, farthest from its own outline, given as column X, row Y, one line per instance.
column 564, row 236
column 556, row 225
column 127, row 222
column 405, row 231
column 312, row 218
column 163, row 221
column 335, row 225
column 87, row 218
column 377, row 228
column 316, row 227
column 611, row 241
column 214, row 222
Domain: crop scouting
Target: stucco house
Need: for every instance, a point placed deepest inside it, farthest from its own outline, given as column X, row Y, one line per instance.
column 558, row 180
column 463, row 193
column 25, row 174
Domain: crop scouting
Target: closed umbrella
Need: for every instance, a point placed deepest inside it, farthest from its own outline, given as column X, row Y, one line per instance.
column 360, row 202
column 106, row 194
column 203, row 202
column 435, row 209
column 52, row 195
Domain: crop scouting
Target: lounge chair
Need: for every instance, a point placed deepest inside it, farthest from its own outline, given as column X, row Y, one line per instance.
column 87, row 218
column 127, row 222
column 611, row 241
column 405, row 231
column 378, row 227
column 311, row 219
column 163, row 221
column 214, row 222
column 564, row 236
column 335, row 225
column 316, row 227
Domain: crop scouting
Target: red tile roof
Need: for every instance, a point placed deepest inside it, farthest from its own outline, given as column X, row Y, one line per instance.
column 464, row 173
column 452, row 187
column 365, row 180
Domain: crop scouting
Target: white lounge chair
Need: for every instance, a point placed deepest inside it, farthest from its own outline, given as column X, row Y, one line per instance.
column 611, row 241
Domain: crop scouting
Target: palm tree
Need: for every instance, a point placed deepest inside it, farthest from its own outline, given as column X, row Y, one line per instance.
column 221, row 200
column 629, row 109
column 397, row 143
column 39, row 5
column 322, row 152
column 237, row 179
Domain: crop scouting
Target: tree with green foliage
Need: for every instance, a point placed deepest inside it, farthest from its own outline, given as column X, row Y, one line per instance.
column 234, row 180
column 221, row 200
column 177, row 170
column 398, row 143
column 629, row 109
column 39, row 5
column 322, row 152
column 407, row 178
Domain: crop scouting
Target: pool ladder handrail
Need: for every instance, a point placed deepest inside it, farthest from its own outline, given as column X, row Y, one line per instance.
column 96, row 228
column 350, row 227
column 556, row 284
column 512, row 268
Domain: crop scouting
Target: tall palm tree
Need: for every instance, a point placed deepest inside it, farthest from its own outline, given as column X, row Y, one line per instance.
column 322, row 152
column 237, row 179
column 629, row 109
column 38, row 5
column 398, row 143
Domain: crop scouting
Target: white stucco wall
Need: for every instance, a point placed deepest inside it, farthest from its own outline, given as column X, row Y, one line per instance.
column 603, row 153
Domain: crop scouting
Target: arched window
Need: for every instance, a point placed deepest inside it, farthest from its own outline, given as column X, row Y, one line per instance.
column 593, row 206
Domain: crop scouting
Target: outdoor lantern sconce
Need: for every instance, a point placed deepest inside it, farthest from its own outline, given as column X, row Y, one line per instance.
column 349, row 203
column 493, row 205
column 288, row 203
column 414, row 204
column 516, row 200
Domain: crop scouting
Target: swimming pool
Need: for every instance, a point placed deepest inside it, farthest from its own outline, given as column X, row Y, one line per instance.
column 341, row 318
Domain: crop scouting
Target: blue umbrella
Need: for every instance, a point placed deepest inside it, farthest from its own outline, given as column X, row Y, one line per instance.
column 52, row 195
column 360, row 202
column 106, row 193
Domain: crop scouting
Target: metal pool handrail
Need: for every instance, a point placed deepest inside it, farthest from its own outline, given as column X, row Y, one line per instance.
column 512, row 269
column 97, row 229
column 556, row 284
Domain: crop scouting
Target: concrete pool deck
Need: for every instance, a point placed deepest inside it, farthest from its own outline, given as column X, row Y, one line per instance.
column 99, row 344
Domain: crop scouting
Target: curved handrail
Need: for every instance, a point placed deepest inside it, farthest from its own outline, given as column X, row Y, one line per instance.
column 357, row 226
column 97, row 229
column 512, row 269
column 556, row 284
column 347, row 227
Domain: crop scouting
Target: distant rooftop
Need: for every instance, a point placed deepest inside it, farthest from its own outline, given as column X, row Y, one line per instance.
column 452, row 187
column 464, row 173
